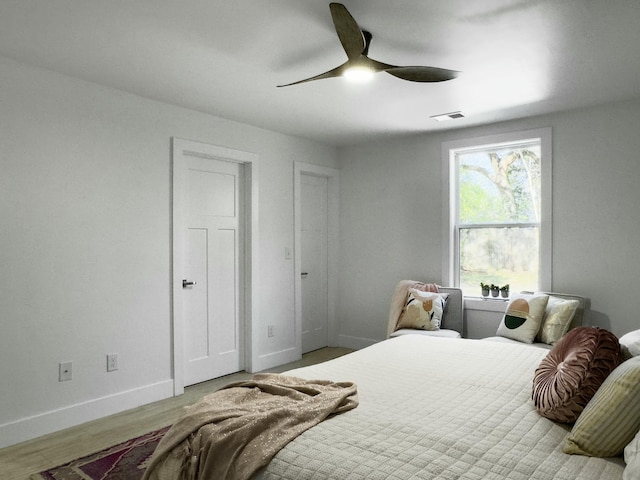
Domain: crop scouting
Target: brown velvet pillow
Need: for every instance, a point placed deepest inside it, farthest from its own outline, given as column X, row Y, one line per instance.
column 573, row 371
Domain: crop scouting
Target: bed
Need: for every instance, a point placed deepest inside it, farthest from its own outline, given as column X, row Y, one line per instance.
column 437, row 408
column 433, row 407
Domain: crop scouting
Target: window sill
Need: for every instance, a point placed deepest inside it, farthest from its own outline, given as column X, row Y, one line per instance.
column 486, row 304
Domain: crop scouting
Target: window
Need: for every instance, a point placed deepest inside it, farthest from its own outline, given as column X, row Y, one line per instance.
column 498, row 205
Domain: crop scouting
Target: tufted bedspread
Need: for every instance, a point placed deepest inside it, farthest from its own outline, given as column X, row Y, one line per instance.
column 436, row 408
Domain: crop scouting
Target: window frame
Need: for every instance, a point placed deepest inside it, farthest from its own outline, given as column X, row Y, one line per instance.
column 450, row 240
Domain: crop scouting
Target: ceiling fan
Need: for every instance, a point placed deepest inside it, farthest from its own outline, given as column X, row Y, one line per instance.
column 356, row 45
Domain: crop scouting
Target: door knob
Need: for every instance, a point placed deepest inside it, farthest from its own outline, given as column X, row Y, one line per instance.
column 186, row 284
column 304, row 274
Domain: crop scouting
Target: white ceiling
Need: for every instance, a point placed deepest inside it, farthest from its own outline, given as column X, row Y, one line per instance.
column 517, row 57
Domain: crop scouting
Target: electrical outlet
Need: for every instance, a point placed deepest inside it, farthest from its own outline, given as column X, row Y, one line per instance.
column 112, row 362
column 65, row 370
column 271, row 331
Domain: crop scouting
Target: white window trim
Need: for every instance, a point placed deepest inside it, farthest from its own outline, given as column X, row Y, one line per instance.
column 448, row 200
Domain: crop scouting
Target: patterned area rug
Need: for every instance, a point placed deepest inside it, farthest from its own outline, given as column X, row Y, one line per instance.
column 126, row 461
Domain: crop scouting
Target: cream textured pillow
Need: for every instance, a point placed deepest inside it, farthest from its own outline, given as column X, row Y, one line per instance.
column 423, row 311
column 630, row 344
column 612, row 418
column 523, row 317
column 557, row 319
column 632, row 459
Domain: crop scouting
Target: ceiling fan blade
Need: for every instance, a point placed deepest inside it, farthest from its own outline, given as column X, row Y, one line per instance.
column 375, row 65
column 348, row 31
column 414, row 74
column 335, row 72
column 423, row 74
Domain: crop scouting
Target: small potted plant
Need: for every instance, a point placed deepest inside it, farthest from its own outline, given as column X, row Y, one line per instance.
column 504, row 291
column 495, row 290
column 485, row 289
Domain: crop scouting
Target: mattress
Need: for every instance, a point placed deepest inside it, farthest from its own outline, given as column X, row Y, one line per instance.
column 436, row 408
column 431, row 408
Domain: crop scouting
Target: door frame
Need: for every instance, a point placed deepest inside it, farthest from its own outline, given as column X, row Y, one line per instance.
column 333, row 225
column 182, row 148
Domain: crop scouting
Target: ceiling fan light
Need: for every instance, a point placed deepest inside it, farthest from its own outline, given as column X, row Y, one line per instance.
column 358, row 73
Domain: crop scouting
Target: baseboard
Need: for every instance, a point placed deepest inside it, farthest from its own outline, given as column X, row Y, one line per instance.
column 355, row 343
column 275, row 359
column 55, row 420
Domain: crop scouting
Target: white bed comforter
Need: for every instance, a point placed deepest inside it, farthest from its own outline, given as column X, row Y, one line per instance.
column 436, row 408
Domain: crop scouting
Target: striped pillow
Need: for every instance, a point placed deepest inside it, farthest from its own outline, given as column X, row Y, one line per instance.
column 612, row 418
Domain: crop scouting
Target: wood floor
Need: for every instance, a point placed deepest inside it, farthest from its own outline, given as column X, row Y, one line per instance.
column 19, row 461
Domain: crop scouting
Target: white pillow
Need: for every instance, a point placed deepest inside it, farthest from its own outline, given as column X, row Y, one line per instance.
column 422, row 310
column 632, row 459
column 523, row 317
column 630, row 344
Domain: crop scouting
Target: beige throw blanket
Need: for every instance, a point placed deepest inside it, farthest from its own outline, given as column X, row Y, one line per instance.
column 232, row 433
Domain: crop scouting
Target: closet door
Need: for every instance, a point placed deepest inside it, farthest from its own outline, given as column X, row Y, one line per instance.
column 314, row 261
column 212, row 265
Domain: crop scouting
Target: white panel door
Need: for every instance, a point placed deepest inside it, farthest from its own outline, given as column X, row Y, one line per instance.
column 314, row 261
column 211, row 271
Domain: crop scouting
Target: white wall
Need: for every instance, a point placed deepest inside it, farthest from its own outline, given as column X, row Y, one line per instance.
column 85, row 243
column 391, row 215
column 390, row 220
column 85, row 234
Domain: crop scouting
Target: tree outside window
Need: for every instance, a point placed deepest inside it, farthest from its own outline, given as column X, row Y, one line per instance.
column 498, row 215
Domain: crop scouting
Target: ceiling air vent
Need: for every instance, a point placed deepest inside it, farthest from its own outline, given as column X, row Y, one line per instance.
column 443, row 117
